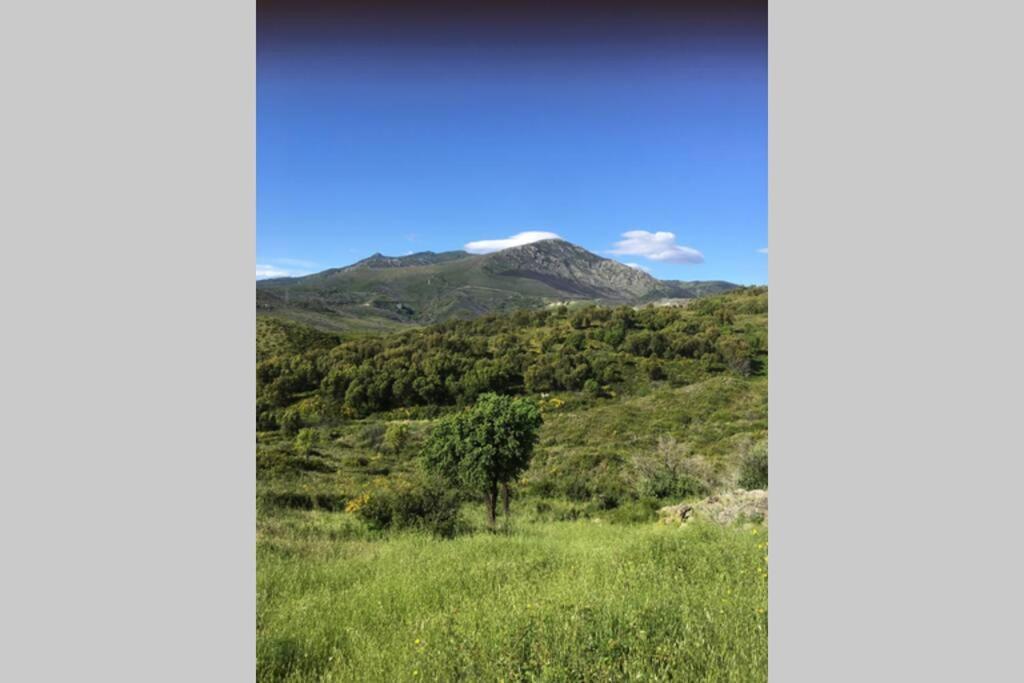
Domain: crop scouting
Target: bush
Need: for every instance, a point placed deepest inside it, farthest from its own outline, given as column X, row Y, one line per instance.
column 395, row 438
column 655, row 371
column 669, row 472
column 266, row 421
column 635, row 512
column 371, row 436
column 298, row 500
column 425, row 505
column 754, row 468
column 291, row 422
column 306, row 441
column 278, row 463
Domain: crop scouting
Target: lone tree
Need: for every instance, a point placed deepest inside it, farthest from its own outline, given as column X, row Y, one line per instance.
column 485, row 446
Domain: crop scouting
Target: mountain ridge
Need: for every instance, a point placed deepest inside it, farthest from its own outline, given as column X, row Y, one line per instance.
column 388, row 292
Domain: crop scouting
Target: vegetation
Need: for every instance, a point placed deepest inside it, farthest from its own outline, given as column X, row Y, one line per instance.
column 754, row 469
column 383, row 293
column 552, row 601
column 615, row 349
column 306, row 441
column 485, row 447
column 423, row 504
column 379, row 458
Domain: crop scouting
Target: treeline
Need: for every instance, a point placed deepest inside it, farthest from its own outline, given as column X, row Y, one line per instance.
column 589, row 348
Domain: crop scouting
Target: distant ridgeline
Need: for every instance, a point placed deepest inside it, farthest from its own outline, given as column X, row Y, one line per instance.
column 307, row 376
column 383, row 293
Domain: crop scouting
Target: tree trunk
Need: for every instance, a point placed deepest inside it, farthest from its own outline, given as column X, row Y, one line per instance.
column 504, row 499
column 492, row 504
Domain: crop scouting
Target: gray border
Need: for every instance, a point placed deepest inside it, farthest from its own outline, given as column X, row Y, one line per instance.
column 895, row 152
column 129, row 341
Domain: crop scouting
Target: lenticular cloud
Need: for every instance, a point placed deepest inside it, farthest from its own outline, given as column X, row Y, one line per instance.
column 487, row 246
column 656, row 246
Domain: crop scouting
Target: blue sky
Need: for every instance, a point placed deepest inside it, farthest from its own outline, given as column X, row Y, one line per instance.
column 398, row 146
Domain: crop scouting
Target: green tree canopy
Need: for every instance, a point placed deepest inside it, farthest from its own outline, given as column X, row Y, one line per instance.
column 487, row 445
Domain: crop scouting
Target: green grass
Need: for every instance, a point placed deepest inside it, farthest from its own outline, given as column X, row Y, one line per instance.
column 546, row 601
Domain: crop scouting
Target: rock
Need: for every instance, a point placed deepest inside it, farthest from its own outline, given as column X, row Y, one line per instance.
column 727, row 508
column 675, row 513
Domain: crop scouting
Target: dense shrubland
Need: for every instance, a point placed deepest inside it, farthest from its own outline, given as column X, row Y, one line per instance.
column 638, row 406
column 304, row 377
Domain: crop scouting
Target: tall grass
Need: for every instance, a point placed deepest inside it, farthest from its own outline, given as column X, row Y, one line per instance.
column 546, row 601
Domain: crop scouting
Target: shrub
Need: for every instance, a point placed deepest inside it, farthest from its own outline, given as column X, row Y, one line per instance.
column 754, row 468
column 285, row 499
column 291, row 422
column 635, row 512
column 265, row 418
column 395, row 438
column 311, row 410
column 356, row 460
column 279, row 463
column 669, row 472
column 655, row 371
column 306, row 441
column 592, row 388
column 273, row 461
column 372, row 435
column 425, row 505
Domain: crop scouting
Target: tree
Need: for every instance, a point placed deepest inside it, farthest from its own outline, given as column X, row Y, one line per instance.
column 485, row 446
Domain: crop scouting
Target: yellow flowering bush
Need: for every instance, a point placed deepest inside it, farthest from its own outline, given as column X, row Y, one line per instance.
column 357, row 503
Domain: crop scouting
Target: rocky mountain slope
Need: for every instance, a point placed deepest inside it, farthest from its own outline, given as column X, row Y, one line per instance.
column 385, row 292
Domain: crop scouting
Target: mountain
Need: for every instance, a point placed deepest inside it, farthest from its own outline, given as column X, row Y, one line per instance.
column 388, row 292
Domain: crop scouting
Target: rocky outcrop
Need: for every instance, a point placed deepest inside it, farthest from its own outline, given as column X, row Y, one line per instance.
column 722, row 508
column 569, row 268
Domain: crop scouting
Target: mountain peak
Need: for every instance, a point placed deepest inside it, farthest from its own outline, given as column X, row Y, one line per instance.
column 570, row 267
column 429, row 287
column 421, row 258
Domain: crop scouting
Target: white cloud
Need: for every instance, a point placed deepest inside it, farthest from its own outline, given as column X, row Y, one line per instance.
column 487, row 246
column 280, row 269
column 763, row 251
column 638, row 267
column 656, row 246
column 263, row 272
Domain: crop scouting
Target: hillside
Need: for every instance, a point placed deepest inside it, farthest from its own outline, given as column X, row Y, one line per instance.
column 367, row 570
column 613, row 382
column 384, row 293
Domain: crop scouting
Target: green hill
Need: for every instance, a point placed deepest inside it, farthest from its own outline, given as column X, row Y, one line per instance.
column 689, row 383
column 383, row 293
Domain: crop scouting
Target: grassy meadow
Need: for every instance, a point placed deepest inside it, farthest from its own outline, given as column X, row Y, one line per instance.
column 583, row 600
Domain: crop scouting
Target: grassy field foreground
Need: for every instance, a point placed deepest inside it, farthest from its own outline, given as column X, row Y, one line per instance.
column 548, row 601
